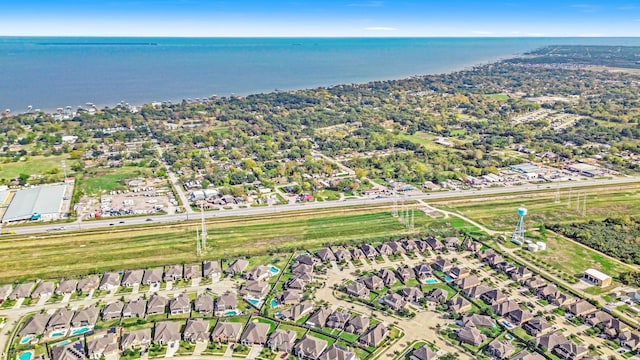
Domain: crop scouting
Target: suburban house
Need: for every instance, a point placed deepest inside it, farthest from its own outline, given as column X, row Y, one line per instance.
column 71, row 351
column 337, row 353
column 476, row 291
column 357, row 254
column 305, row 259
column 580, row 308
column 369, row 251
column 21, row 291
column 300, row 269
column 65, row 287
column 139, row 339
column 500, row 349
column 472, row 336
column 290, row 297
column 255, row 289
column 536, row 327
column 519, row 316
column 166, row 332
column 342, row 254
column 525, row 355
column 458, row 272
column 45, row 288
column 468, row 282
column 152, row 276
column 477, row 320
column 405, row 273
column 132, row 277
column 570, row 350
column 442, row 265
column 394, row 301
column 173, row 273
column 310, row 347
column 281, row 340
column 110, row 281
column 338, row 319
column 452, row 243
column 226, row 332
column 506, row 307
column 255, row 334
column 260, row 272
column 211, row 269
column 357, row 324
column 5, row 291
column 422, row 271
column 396, row 247
column 493, row 297
column 203, row 304
column 85, row 317
column 35, row 325
column 410, row 245
column 374, row 336
column 357, row 289
column 156, row 305
column 319, row 318
column 630, row 340
column 102, row 346
column 296, row 283
column 180, row 305
column 196, row 330
column 551, row 340
column 136, row 308
column 373, row 282
column 237, row 267
column 192, row 272
column 459, row 305
column 226, row 302
column 89, row 283
column 521, row 274
column 112, row 310
column 535, row 282
column 412, row 294
column 438, row 296
column 325, row 255
column 423, row 353
column 387, row 276
column 297, row 311
column 59, row 321
column 435, row 244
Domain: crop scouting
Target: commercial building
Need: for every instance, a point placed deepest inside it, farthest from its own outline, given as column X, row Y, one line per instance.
column 599, row 278
column 36, row 203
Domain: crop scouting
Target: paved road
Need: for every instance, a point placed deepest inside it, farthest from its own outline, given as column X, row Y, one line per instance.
column 119, row 222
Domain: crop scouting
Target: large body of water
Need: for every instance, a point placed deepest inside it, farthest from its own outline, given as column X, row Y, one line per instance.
column 52, row 72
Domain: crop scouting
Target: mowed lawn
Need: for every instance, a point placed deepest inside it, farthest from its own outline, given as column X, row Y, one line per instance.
column 76, row 254
column 542, row 208
column 96, row 184
column 35, row 165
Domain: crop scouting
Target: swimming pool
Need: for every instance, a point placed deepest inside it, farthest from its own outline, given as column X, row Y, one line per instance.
column 506, row 324
column 273, row 303
column 59, row 333
column 431, row 281
column 231, row 312
column 26, row 339
column 274, row 270
column 252, row 301
column 27, row 355
column 448, row 279
column 81, row 330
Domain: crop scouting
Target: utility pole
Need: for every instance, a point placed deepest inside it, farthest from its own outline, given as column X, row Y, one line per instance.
column 204, row 230
column 584, row 206
column 569, row 199
column 557, row 200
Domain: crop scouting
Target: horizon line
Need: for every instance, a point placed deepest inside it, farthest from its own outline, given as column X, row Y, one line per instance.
column 333, row 37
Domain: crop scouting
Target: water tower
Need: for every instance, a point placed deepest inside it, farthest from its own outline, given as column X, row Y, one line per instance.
column 518, row 233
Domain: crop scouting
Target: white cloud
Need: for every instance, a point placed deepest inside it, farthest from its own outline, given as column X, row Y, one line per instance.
column 480, row 32
column 380, row 28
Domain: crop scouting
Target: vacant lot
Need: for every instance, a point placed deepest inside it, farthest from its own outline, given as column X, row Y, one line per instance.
column 34, row 165
column 110, row 179
column 75, row 254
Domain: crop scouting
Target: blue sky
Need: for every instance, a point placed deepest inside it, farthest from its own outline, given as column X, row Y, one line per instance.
column 319, row 18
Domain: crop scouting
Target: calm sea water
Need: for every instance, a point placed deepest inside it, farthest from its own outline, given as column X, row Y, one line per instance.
column 55, row 72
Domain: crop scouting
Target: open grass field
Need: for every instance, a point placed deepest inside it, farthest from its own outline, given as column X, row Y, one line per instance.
column 95, row 184
column 500, row 214
column 422, row 138
column 57, row 255
column 34, row 165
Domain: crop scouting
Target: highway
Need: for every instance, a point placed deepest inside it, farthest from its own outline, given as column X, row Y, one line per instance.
column 262, row 210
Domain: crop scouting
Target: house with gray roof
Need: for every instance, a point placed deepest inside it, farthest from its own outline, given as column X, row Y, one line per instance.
column 519, row 316
column 67, row 287
column 85, row 317
column 258, row 273
column 388, row 276
column 384, row 249
column 325, row 255
column 290, row 297
column 468, row 282
column 471, row 335
column 180, row 304
column 35, row 325
column 477, row 320
column 211, row 269
column 521, row 274
column 310, row 347
column 396, row 247
column 255, row 334
column 357, row 289
column 136, row 308
column 59, row 321
column 394, row 301
column 319, row 318
column 570, row 350
column 500, row 349
column 410, row 245
column 342, row 254
column 459, row 272
column 89, row 283
column 138, row 339
column 45, row 288
column 458, row 304
column 255, row 289
column 196, row 330
column 192, row 271
column 112, row 310
column 452, row 243
column 106, row 346
column 226, row 332
column 369, row 251
column 357, row 254
column 535, row 282
column 21, row 291
column 71, row 351
column 338, row 319
column 337, row 353
column 412, row 294
column 374, row 336
column 434, row 244
column 281, row 340
column 506, row 307
column 357, row 324
column 203, row 304
column 152, row 276
column 405, row 273
column 110, row 281
column 5, row 291
column 525, row 355
column 438, row 296
column 476, row 291
column 300, row 269
column 173, row 273
column 422, row 271
column 536, row 327
column 225, row 302
column 551, row 340
column 297, row 311
column 423, row 353
column 305, row 259
column 493, row 297
column 157, row 304
column 166, row 332
column 442, row 265
column 373, row 282
column 237, row 267
column 132, row 278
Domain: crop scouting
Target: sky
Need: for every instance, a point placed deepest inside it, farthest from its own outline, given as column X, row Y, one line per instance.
column 319, row 18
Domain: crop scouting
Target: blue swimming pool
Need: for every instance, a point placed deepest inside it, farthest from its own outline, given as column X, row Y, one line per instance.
column 431, row 281
column 231, row 312
column 59, row 333
column 62, row 343
column 273, row 303
column 80, row 331
column 506, row 324
column 26, row 339
column 448, row 279
column 252, row 301
column 274, row 270
column 27, row 355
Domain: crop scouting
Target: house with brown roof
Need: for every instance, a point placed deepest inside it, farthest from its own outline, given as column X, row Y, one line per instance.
column 337, row 353
column 300, row 269
column 59, row 321
column 452, row 243
column 500, row 349
column 136, row 308
column 468, row 282
column 394, row 301
column 471, row 335
column 296, row 283
column 387, row 276
column 535, row 282
column 21, row 291
column 423, row 353
column 237, row 267
column 203, row 304
column 396, row 247
column 66, row 287
column 192, row 271
column 357, row 324
column 493, row 297
column 412, row 294
column 374, row 336
column 630, row 340
column 521, row 274
column 157, row 304
column 112, row 310
column 373, row 282
column 458, row 304
column 442, row 265
column 369, row 251
column 71, row 351
column 132, row 277
column 152, row 276
column 290, row 297
column 255, row 289
column 166, row 332
column 580, row 308
column 45, row 288
column 384, row 249
column 410, row 245
column 525, row 355
column 537, row 327
column 325, row 255
column 357, row 289
column 259, row 273
column 570, row 350
column 422, row 271
column 226, row 332
column 405, row 273
column 319, row 318
column 551, row 340
column 196, row 330
column 173, row 273
column 86, row 317
column 615, row 327
column 310, row 347
column 255, row 334
column 459, row 272
column 357, row 254
column 338, row 319
column 211, row 269
column 306, row 259
column 519, row 316
column 225, row 302
column 434, row 244
column 138, row 339
column 180, row 305
column 505, row 307
column 342, row 254
column 477, row 320
column 476, row 291
column 597, row 317
column 297, row 311
column 281, row 340
column 102, row 346
column 5, row 291
column 35, row 325
column 110, row 281
column 438, row 296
